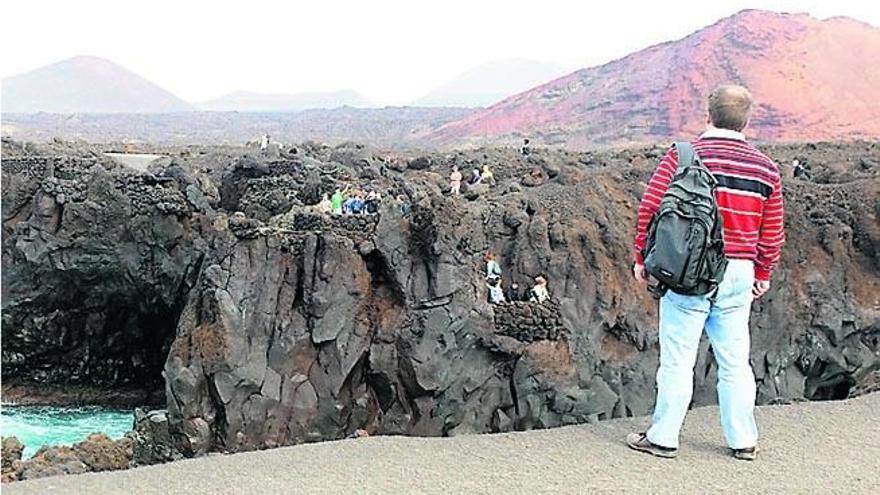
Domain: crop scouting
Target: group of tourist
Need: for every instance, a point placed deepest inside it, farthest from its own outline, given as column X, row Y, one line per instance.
column 498, row 294
column 349, row 201
column 477, row 177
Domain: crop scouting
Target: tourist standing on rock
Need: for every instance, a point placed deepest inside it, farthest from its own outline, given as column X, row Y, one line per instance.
column 496, row 295
column 493, row 269
column 372, row 202
column 336, row 202
column 799, row 170
column 476, row 178
column 356, row 204
column 326, row 206
column 749, row 199
column 513, row 292
column 487, row 176
column 455, row 181
column 525, row 148
column 264, row 145
column 539, row 291
column 348, row 205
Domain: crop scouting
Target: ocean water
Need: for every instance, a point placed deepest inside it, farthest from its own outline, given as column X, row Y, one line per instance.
column 35, row 426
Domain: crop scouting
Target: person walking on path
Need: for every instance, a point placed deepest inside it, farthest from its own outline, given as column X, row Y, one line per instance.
column 455, row 181
column 749, row 198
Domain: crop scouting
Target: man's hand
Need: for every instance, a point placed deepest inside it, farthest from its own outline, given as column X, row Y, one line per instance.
column 760, row 288
column 640, row 273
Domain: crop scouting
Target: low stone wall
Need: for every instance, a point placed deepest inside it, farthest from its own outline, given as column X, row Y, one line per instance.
column 529, row 321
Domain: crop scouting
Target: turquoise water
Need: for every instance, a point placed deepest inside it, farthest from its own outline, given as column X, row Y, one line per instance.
column 36, row 426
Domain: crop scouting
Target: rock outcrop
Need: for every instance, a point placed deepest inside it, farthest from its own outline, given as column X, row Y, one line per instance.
column 96, row 260
column 151, row 439
column 10, row 467
column 274, row 325
column 149, row 442
column 96, row 453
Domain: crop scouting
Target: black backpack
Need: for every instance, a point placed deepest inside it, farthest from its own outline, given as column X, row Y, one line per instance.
column 685, row 246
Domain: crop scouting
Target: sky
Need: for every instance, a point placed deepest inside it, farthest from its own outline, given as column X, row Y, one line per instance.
column 392, row 52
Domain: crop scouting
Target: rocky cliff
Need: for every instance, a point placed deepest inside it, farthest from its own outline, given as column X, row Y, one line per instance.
column 274, row 325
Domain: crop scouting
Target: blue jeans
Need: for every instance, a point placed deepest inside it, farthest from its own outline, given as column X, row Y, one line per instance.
column 726, row 320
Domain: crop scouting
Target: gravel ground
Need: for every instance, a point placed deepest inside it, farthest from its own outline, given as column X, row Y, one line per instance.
column 818, row 447
column 137, row 161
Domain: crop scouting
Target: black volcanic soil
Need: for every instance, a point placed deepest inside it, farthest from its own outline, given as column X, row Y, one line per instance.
column 211, row 281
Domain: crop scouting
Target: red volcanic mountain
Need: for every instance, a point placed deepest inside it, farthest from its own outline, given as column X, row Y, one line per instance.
column 811, row 80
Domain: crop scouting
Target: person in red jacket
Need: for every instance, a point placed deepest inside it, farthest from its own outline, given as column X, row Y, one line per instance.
column 749, row 197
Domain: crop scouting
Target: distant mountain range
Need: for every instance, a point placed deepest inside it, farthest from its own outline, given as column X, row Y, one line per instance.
column 490, row 83
column 811, row 80
column 94, row 85
column 244, row 101
column 86, row 84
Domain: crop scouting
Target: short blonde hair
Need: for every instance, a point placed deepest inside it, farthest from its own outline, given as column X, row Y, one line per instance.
column 730, row 107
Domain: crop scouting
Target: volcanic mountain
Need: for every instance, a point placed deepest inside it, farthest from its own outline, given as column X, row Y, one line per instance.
column 86, row 85
column 490, row 83
column 811, row 80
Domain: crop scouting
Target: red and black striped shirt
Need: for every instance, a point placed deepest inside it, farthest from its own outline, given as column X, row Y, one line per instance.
column 749, row 196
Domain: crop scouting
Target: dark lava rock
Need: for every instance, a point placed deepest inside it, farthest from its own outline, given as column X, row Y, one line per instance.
column 420, row 163
column 292, row 327
column 151, row 439
column 80, row 305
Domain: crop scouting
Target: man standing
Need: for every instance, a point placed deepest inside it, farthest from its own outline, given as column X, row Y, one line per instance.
column 749, row 197
column 455, row 181
column 336, row 201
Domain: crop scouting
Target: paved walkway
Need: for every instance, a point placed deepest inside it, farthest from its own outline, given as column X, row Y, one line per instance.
column 827, row 447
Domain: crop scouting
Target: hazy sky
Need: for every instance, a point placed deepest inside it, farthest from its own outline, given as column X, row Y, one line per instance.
column 390, row 51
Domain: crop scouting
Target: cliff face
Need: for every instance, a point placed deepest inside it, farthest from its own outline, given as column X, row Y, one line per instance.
column 282, row 326
column 95, row 262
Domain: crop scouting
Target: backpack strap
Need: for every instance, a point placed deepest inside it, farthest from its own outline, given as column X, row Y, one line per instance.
column 685, row 153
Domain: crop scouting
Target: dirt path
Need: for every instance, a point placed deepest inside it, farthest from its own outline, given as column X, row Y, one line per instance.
column 137, row 161
column 828, row 447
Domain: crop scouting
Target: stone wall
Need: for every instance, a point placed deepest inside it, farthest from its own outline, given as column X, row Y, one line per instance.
column 529, row 321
